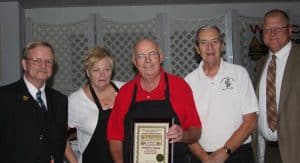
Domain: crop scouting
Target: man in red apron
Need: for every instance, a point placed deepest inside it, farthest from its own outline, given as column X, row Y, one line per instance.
column 152, row 94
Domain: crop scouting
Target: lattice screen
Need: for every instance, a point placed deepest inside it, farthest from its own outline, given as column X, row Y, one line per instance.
column 183, row 57
column 119, row 39
column 247, row 36
column 70, row 42
column 295, row 20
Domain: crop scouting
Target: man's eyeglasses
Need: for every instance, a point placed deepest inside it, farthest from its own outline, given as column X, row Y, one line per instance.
column 142, row 56
column 275, row 29
column 39, row 61
column 213, row 42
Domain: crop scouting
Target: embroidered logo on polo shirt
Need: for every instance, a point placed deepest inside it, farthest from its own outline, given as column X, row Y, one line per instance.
column 227, row 83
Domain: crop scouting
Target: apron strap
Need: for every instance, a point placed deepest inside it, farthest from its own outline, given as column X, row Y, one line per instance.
column 96, row 99
column 114, row 85
column 167, row 94
column 99, row 106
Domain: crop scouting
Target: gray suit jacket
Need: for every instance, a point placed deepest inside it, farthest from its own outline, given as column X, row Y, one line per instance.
column 289, row 106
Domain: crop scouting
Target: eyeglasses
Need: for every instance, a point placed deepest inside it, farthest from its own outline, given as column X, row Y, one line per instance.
column 213, row 42
column 142, row 56
column 39, row 61
column 275, row 29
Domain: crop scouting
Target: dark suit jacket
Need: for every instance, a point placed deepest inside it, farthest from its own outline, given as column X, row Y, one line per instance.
column 20, row 125
column 289, row 107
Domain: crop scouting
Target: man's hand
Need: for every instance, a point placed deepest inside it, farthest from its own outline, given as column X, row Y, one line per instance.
column 175, row 134
column 219, row 156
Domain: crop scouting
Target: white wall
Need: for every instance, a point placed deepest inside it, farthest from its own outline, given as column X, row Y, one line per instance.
column 137, row 13
column 10, row 40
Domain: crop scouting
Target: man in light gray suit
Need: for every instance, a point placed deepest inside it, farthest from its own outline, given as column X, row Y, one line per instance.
column 280, row 136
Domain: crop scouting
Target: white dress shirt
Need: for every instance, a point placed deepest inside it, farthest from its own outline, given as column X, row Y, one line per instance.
column 33, row 90
column 281, row 58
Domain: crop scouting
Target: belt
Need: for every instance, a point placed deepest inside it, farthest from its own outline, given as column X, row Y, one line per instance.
column 244, row 147
column 273, row 144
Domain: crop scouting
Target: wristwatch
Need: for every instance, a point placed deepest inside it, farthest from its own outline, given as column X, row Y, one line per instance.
column 227, row 150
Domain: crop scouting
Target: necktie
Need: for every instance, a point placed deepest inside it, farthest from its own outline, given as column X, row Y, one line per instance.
column 271, row 95
column 40, row 101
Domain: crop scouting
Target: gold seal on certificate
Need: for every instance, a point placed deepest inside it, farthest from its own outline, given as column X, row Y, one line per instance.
column 150, row 143
column 160, row 157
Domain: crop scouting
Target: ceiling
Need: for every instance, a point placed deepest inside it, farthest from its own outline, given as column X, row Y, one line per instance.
column 27, row 4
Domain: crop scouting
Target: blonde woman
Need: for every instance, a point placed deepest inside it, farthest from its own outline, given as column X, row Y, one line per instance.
column 90, row 107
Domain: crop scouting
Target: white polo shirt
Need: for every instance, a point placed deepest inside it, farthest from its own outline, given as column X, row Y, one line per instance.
column 221, row 102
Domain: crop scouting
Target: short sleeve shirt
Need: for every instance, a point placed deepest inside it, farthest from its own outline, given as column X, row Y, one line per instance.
column 180, row 96
column 222, row 102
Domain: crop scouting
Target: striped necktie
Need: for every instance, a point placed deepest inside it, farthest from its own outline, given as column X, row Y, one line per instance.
column 40, row 101
column 271, row 95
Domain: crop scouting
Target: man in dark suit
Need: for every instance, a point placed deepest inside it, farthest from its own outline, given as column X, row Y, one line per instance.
column 279, row 131
column 33, row 125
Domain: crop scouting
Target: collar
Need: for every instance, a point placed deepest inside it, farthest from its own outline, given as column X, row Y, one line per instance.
column 220, row 71
column 32, row 89
column 161, row 84
column 282, row 52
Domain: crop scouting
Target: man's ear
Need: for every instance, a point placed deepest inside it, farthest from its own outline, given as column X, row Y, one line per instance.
column 290, row 31
column 133, row 60
column 24, row 64
column 223, row 48
column 161, row 55
column 197, row 49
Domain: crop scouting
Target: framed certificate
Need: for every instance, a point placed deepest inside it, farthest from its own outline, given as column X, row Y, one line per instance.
column 149, row 140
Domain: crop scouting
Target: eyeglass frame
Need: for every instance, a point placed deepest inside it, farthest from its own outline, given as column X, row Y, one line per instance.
column 143, row 56
column 213, row 42
column 275, row 29
column 40, row 61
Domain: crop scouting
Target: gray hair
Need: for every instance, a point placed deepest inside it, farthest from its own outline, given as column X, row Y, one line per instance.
column 36, row 44
column 206, row 27
column 145, row 39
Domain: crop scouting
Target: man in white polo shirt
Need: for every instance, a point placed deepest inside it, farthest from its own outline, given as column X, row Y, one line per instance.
column 226, row 101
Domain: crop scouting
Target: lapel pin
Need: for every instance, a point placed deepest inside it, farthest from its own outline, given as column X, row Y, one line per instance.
column 25, row 98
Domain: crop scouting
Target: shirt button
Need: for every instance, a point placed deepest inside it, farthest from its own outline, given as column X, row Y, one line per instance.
column 148, row 97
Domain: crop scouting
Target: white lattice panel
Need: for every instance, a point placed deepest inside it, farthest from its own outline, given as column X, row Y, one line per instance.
column 246, row 36
column 183, row 56
column 295, row 20
column 70, row 43
column 119, row 39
